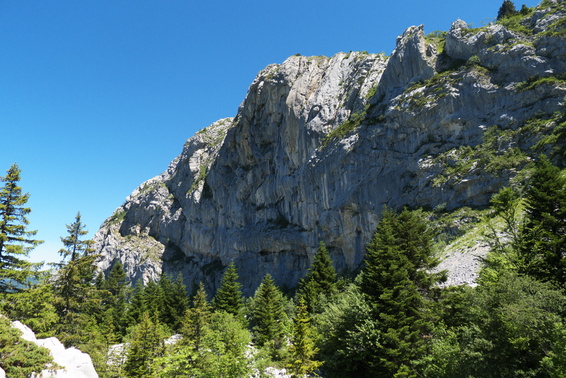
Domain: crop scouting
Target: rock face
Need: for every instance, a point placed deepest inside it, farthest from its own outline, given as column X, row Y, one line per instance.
column 73, row 362
column 320, row 145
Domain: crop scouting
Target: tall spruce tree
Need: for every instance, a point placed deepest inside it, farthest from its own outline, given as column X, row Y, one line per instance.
column 303, row 349
column 173, row 301
column 116, row 303
column 268, row 314
column 269, row 320
column 229, row 296
column 319, row 281
column 146, row 345
column 74, row 245
column 15, row 240
column 196, row 321
column 77, row 298
column 542, row 249
column 397, row 279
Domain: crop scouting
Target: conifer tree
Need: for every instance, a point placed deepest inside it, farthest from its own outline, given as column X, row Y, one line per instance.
column 18, row 357
column 319, row 281
column 146, row 345
column 196, row 320
column 116, row 303
column 303, row 349
column 173, row 301
column 396, row 280
column 73, row 243
column 78, row 300
column 229, row 296
column 268, row 314
column 507, row 9
column 542, row 248
column 15, row 241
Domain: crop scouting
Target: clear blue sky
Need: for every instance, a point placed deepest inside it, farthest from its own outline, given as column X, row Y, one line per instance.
column 98, row 96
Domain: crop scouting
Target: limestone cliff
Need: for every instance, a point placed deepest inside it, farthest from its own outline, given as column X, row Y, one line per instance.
column 320, row 145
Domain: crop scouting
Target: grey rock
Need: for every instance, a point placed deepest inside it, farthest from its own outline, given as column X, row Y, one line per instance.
column 412, row 61
column 74, row 363
column 263, row 188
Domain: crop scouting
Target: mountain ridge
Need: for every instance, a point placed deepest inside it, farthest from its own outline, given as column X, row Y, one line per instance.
column 320, row 145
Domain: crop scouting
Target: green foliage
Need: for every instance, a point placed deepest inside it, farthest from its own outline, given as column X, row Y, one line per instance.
column 268, row 315
column 213, row 344
column 398, row 281
column 507, row 9
column 515, row 23
column 74, row 246
column 509, row 329
column 196, row 320
column 319, row 281
column 302, row 350
column 146, row 345
column 15, row 240
column 118, row 216
column 344, row 129
column 229, row 297
column 438, row 39
column 115, row 316
column 220, row 351
column 166, row 299
column 493, row 155
column 348, row 334
column 502, row 235
column 557, row 29
column 435, row 88
column 543, row 238
column 173, row 300
column 197, row 180
column 34, row 308
column 18, row 357
column 535, row 81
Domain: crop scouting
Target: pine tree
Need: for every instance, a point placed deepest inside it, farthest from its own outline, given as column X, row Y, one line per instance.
column 196, row 320
column 268, row 314
column 229, row 296
column 173, row 301
column 74, row 245
column 78, row 300
column 18, row 357
column 302, row 347
column 116, row 303
column 396, row 280
column 542, row 249
column 319, row 281
column 33, row 307
column 73, row 281
column 15, row 241
column 146, row 345
column 507, row 9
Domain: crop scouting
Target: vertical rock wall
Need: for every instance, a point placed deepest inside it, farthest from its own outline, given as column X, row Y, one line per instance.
column 319, row 146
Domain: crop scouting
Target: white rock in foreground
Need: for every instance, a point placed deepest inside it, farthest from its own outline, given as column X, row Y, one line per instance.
column 74, row 363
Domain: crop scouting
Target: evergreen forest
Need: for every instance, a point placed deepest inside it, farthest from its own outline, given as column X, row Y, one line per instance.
column 394, row 318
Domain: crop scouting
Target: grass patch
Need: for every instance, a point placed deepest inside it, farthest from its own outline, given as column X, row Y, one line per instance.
column 200, row 177
column 438, row 39
column 515, row 23
column 118, row 216
column 535, row 81
column 495, row 154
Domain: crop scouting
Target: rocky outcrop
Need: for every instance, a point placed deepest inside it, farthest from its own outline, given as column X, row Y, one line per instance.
column 320, row 145
column 72, row 362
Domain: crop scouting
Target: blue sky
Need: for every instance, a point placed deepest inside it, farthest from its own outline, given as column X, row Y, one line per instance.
column 98, row 96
